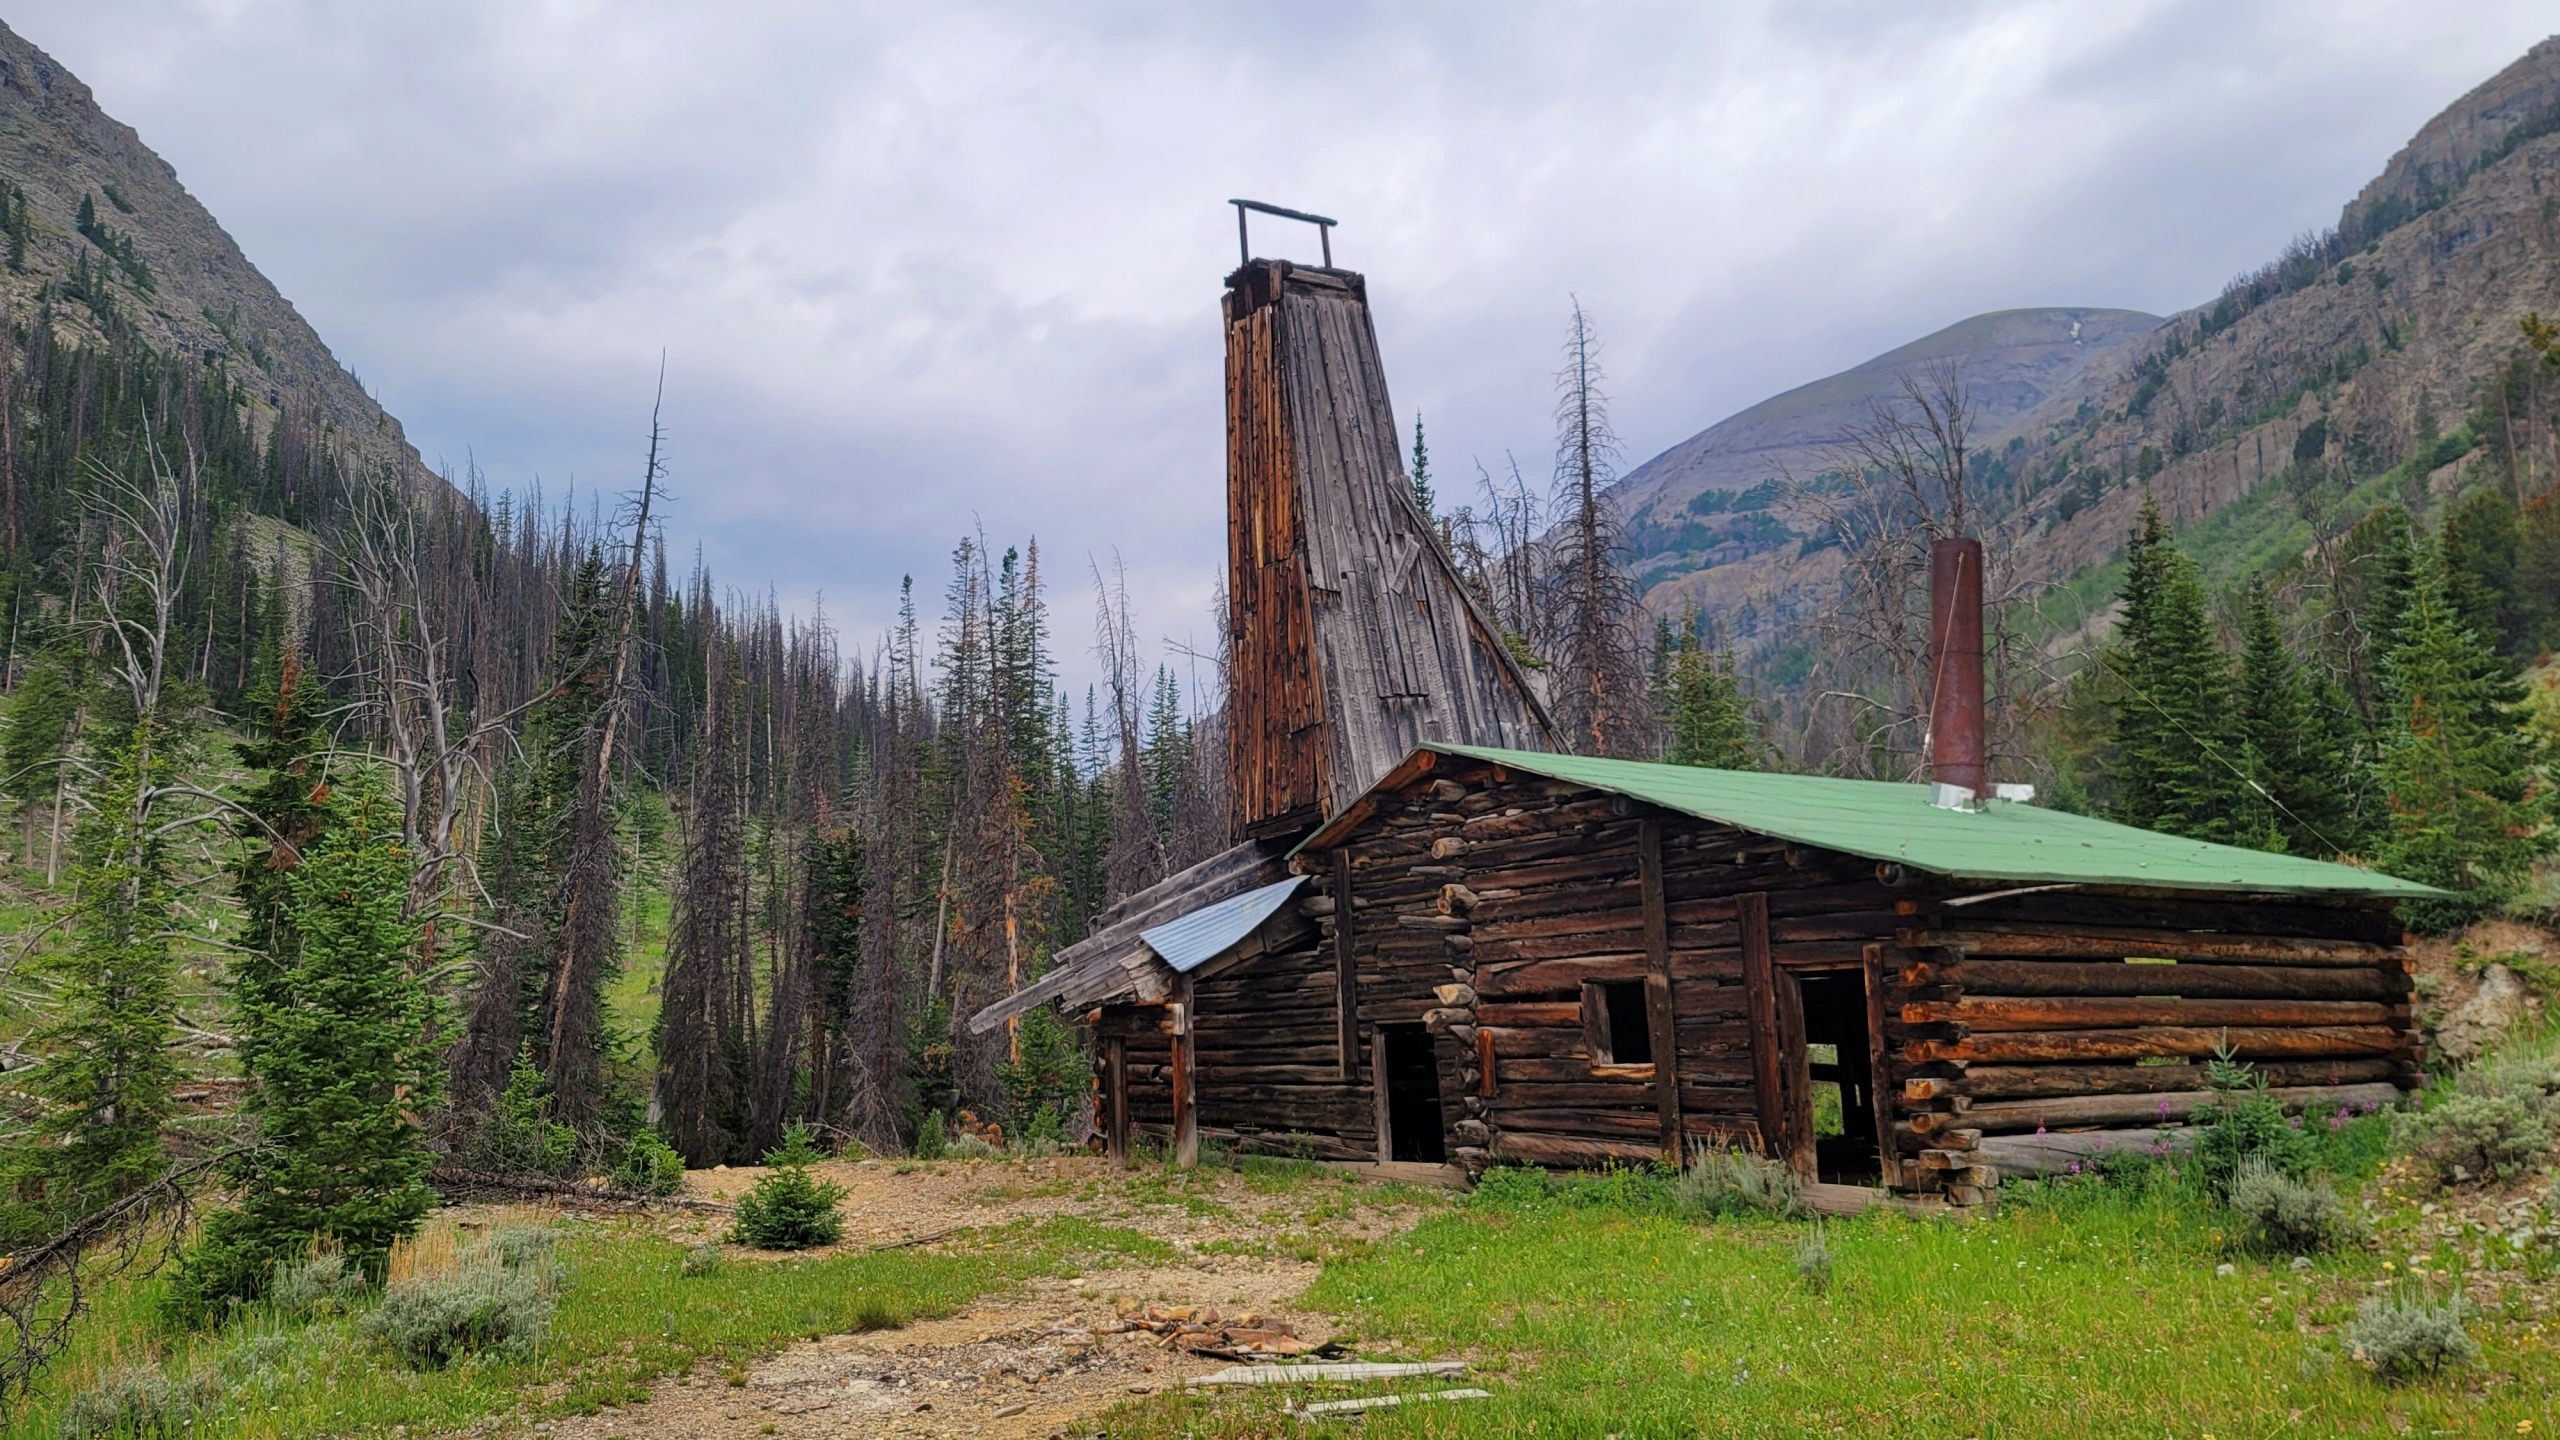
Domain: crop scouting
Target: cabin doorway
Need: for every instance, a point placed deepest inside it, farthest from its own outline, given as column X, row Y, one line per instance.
column 1409, row 1070
column 1835, row 1102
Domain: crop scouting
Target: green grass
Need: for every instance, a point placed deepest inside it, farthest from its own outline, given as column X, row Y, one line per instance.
column 631, row 997
column 2090, row 1309
column 627, row 1317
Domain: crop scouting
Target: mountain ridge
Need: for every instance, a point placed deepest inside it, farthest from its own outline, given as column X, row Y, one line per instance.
column 2383, row 330
column 183, row 284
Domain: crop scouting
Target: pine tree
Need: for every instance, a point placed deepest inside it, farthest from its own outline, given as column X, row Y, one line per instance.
column 103, row 1087
column 2479, row 549
column 1709, row 725
column 340, row 1043
column 2469, row 812
column 2177, row 764
column 86, row 220
column 2537, row 589
column 287, row 808
column 1421, row 469
column 2379, row 569
column 2300, row 791
column 1167, row 761
column 42, row 716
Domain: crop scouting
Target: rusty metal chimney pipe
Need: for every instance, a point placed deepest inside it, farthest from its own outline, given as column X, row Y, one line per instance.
column 1958, row 741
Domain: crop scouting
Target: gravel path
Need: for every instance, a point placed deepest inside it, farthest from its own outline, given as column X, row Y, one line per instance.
column 1038, row 1361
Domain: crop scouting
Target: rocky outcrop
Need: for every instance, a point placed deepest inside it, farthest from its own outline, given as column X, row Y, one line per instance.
column 2446, row 149
column 203, row 297
column 2475, row 1027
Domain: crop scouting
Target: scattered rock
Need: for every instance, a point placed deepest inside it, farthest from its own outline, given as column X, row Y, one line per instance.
column 2479, row 1023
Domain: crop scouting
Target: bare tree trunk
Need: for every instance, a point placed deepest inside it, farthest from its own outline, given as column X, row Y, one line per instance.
column 1601, row 703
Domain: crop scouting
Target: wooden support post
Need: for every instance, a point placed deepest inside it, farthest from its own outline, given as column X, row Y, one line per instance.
column 1660, row 1018
column 1795, row 1066
column 1186, row 1101
column 1346, row 972
column 1378, row 1094
column 1484, row 1063
column 1760, row 995
column 1115, row 1065
column 1880, row 1088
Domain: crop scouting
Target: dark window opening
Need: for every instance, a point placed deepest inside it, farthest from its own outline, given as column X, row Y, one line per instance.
column 1413, row 1095
column 1619, row 1025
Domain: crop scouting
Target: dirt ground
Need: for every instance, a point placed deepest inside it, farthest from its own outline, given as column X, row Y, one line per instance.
column 1036, row 1362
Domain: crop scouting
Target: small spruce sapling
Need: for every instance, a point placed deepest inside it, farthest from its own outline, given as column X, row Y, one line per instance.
column 788, row 1208
column 2245, row 1123
column 931, row 1141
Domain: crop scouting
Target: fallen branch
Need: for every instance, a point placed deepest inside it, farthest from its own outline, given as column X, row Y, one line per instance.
column 1329, row 1374
column 1381, row 1402
column 44, row 1288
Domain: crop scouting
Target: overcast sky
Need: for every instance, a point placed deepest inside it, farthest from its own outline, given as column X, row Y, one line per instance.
column 921, row 269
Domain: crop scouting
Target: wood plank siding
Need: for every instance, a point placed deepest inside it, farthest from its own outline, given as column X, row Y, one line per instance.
column 1351, row 636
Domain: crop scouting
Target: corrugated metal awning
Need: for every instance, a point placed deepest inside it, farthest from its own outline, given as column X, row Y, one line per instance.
column 1210, row 931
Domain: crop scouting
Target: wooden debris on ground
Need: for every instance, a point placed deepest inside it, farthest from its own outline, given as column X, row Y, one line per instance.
column 1322, row 1408
column 1328, row 1374
column 1203, row 1330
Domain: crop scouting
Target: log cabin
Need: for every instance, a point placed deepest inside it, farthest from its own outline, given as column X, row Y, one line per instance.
column 1437, row 942
column 1576, row 962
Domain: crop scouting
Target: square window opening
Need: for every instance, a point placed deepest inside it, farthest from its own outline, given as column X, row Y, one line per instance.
column 1621, row 1025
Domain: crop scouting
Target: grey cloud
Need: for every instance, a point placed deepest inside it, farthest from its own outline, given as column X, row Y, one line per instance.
column 922, row 268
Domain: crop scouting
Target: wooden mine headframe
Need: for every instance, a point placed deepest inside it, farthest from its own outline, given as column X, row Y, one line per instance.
column 1352, row 638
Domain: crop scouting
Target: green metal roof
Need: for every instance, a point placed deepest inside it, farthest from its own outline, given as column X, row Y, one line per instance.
column 2003, row 840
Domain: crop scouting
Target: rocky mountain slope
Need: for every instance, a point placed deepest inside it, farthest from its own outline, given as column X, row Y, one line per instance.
column 2383, row 332
column 151, row 256
column 2014, row 360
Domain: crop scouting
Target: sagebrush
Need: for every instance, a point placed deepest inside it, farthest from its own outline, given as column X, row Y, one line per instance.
column 496, row 1298
column 2407, row 1338
column 2280, row 1215
column 1734, row 1181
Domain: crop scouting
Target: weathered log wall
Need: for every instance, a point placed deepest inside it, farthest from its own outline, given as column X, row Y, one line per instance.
column 1271, row 1081
column 1988, row 1016
column 2073, row 1011
column 1146, row 1049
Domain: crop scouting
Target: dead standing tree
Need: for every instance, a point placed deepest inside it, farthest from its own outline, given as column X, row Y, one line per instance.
column 1890, row 485
column 706, row 1025
column 434, row 719
column 1499, row 556
column 1136, row 859
column 1599, row 699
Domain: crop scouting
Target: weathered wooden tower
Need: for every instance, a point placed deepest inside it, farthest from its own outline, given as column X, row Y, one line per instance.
column 1353, row 640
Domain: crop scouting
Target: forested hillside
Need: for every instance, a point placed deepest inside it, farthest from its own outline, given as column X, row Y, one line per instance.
column 2389, row 329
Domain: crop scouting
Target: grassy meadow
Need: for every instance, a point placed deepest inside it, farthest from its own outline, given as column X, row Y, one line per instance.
column 629, row 1317
column 2090, row 1308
